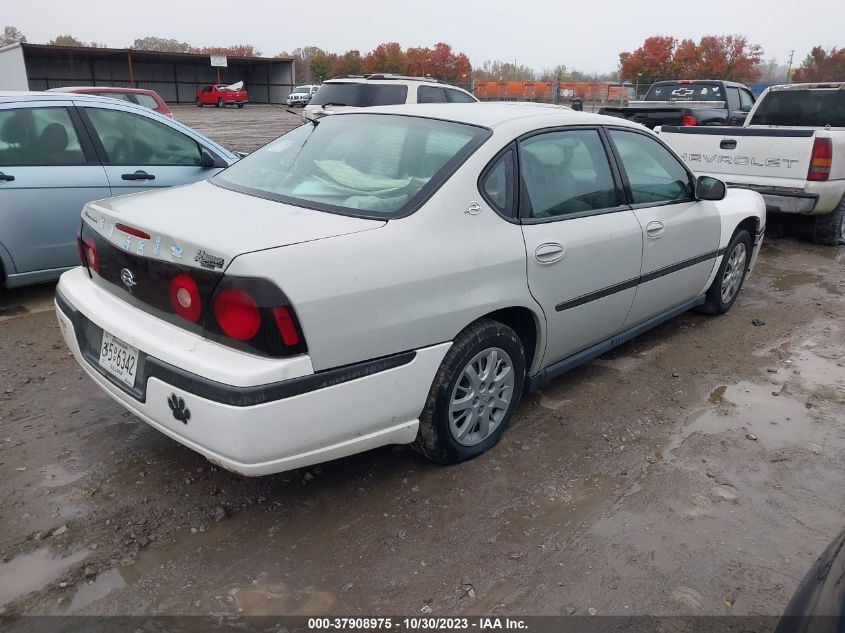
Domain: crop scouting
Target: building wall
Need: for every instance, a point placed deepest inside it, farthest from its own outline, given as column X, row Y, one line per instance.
column 12, row 69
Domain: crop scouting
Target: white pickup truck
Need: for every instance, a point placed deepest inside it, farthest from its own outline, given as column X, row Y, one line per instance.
column 791, row 149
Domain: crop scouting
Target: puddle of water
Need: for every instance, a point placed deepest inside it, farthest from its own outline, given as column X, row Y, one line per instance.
column 787, row 282
column 502, row 593
column 30, row 572
column 56, row 476
column 277, row 600
column 89, row 592
column 776, row 421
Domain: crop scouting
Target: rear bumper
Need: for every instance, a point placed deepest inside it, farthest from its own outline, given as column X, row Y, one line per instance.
column 811, row 198
column 261, row 428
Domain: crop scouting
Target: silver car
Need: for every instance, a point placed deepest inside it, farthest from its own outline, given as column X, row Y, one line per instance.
column 60, row 151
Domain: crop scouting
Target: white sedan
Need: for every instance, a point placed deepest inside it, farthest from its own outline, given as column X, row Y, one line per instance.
column 395, row 276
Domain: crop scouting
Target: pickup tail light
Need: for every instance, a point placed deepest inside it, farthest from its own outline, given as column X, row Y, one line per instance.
column 821, row 160
column 688, row 120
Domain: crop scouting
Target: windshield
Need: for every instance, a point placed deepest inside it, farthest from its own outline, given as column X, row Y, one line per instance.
column 685, row 92
column 360, row 95
column 801, row 108
column 370, row 165
column 301, row 89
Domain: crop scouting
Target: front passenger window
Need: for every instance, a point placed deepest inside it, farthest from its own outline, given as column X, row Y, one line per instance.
column 654, row 174
column 566, row 172
column 132, row 139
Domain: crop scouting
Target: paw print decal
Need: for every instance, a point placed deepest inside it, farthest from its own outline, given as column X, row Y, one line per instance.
column 178, row 408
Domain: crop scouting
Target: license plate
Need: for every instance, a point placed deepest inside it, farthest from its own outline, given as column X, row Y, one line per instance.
column 118, row 358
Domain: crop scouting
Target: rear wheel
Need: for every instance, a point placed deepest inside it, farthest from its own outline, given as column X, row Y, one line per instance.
column 830, row 228
column 725, row 287
column 474, row 394
column 240, row 105
column 199, row 103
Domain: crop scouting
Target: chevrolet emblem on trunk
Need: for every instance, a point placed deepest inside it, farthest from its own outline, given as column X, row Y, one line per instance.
column 127, row 278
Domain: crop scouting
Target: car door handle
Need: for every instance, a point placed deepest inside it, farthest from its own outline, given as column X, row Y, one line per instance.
column 549, row 253
column 728, row 143
column 6, row 177
column 654, row 228
column 138, row 175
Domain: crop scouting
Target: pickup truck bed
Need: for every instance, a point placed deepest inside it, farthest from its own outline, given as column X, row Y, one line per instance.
column 654, row 113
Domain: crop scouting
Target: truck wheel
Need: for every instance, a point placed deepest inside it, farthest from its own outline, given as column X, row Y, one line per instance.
column 199, row 103
column 474, row 394
column 830, row 228
column 219, row 102
column 725, row 287
column 240, row 105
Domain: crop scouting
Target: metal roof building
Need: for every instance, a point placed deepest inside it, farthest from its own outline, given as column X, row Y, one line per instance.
column 174, row 76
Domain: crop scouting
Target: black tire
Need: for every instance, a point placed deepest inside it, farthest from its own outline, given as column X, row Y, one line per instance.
column 240, row 105
column 219, row 102
column 714, row 303
column 199, row 103
column 434, row 438
column 830, row 228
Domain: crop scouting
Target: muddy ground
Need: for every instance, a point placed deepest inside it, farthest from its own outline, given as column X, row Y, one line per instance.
column 696, row 470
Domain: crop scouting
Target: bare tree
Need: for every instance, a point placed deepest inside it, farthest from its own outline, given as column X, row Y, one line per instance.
column 11, row 35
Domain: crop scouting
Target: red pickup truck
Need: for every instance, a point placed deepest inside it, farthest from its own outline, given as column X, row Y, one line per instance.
column 220, row 95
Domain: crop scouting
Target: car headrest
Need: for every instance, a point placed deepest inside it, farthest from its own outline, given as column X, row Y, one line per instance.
column 13, row 130
column 53, row 138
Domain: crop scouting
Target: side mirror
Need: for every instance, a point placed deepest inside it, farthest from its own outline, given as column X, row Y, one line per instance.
column 707, row 188
column 207, row 159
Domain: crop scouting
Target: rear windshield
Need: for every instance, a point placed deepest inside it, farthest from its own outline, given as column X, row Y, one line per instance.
column 360, row 95
column 801, row 108
column 685, row 92
column 369, row 165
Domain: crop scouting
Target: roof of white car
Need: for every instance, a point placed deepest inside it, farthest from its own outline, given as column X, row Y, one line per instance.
column 492, row 114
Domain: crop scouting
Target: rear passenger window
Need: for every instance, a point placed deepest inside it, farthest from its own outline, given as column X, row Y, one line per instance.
column 379, row 94
column 498, row 185
column 147, row 101
column 430, row 94
column 566, row 172
column 39, row 136
column 456, row 96
column 654, row 174
column 133, row 139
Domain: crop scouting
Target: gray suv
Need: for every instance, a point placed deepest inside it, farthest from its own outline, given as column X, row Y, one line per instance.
column 60, row 151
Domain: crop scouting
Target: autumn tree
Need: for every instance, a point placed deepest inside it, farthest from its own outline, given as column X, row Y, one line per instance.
column 350, row 63
column 11, row 35
column 320, row 64
column 161, row 44
column 386, row 58
column 822, row 65
column 713, row 57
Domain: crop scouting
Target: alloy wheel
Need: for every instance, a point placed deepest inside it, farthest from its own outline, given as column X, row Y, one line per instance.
column 733, row 272
column 481, row 396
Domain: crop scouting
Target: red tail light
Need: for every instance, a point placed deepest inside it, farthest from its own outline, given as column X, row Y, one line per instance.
column 237, row 314
column 821, row 160
column 688, row 120
column 185, row 298
column 287, row 327
column 89, row 255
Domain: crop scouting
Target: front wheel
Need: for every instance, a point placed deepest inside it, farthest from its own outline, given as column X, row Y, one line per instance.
column 474, row 394
column 725, row 287
column 830, row 228
column 240, row 105
column 219, row 103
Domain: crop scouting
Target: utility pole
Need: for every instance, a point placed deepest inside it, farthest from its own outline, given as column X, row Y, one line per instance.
column 789, row 68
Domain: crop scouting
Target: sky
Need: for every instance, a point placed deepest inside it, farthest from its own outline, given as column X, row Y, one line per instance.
column 586, row 35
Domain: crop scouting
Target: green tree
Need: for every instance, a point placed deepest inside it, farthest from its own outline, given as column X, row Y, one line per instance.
column 161, row 44
column 66, row 40
column 11, row 35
